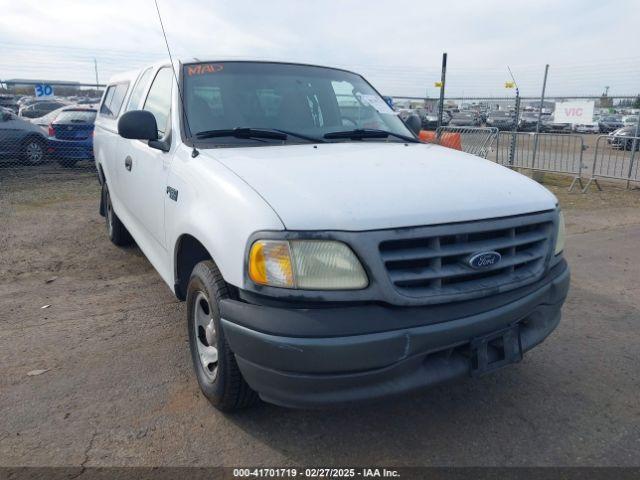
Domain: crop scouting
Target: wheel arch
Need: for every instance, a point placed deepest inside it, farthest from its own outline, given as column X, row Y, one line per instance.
column 33, row 136
column 189, row 251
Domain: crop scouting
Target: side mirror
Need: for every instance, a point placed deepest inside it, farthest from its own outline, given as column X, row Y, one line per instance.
column 138, row 125
column 414, row 123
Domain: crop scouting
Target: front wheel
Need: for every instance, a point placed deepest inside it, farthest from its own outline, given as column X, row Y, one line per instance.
column 215, row 366
column 33, row 151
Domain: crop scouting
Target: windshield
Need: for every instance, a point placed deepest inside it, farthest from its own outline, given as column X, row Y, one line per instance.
column 307, row 100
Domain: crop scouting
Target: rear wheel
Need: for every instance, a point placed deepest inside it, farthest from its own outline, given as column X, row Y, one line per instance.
column 117, row 232
column 33, row 151
column 216, row 368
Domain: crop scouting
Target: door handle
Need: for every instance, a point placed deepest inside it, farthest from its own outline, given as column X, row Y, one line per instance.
column 128, row 163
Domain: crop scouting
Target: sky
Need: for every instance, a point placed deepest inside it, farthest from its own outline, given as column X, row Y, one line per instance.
column 397, row 45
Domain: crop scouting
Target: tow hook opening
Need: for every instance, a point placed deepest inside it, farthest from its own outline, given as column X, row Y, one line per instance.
column 496, row 350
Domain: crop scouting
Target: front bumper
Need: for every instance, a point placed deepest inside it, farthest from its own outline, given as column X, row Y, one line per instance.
column 305, row 370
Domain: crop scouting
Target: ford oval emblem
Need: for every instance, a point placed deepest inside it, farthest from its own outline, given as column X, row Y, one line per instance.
column 481, row 260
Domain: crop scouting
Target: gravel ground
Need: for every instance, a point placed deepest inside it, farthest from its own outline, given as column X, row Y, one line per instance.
column 117, row 386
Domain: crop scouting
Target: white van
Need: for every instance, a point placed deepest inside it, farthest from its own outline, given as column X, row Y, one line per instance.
column 325, row 254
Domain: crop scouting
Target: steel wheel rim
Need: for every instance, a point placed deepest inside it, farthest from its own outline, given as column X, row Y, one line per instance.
column 34, row 152
column 109, row 213
column 206, row 336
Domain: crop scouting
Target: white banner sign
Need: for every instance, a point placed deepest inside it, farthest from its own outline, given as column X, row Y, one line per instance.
column 573, row 112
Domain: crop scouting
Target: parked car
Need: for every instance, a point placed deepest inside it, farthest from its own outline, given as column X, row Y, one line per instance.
column 501, row 120
column 629, row 120
column 25, row 98
column 40, row 108
column 20, row 140
column 429, row 121
column 88, row 101
column 404, row 113
column 10, row 102
column 45, row 120
column 610, row 123
column 550, row 126
column 586, row 128
column 623, row 138
column 612, row 135
column 71, row 136
column 465, row 119
column 322, row 262
column 528, row 122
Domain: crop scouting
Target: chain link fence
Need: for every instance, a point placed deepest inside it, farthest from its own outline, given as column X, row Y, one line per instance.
column 55, row 133
column 46, row 131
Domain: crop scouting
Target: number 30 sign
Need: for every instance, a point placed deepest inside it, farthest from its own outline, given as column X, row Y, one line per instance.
column 44, row 90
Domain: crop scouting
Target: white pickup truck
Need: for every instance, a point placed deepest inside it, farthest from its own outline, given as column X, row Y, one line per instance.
column 325, row 254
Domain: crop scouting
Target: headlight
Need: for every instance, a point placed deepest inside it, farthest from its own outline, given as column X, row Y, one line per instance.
column 305, row 264
column 560, row 236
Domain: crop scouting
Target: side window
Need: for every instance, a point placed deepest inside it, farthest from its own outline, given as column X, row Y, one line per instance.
column 118, row 98
column 138, row 90
column 158, row 100
column 104, row 108
column 113, row 99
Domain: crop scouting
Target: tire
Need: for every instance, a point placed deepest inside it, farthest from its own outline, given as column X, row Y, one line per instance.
column 117, row 232
column 215, row 365
column 33, row 151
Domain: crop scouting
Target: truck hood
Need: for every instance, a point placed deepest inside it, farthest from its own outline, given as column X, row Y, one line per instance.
column 365, row 186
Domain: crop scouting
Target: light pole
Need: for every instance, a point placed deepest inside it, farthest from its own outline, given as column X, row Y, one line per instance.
column 95, row 67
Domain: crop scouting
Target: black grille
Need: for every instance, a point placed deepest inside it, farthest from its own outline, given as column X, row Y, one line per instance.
column 438, row 264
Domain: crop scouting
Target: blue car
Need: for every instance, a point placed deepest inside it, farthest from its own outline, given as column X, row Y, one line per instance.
column 71, row 136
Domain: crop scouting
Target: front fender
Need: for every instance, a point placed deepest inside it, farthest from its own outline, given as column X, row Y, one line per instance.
column 218, row 209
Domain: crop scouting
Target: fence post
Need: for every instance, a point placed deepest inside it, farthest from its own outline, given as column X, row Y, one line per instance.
column 634, row 146
column 578, row 177
column 535, row 138
column 514, row 137
column 443, row 77
column 593, row 178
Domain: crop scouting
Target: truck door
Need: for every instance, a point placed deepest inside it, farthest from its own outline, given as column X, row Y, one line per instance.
column 145, row 169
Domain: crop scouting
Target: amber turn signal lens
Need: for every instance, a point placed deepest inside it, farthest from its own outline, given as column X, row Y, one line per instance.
column 270, row 263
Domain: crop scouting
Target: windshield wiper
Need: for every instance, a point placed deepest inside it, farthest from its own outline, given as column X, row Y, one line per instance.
column 242, row 133
column 299, row 135
column 257, row 133
column 360, row 133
